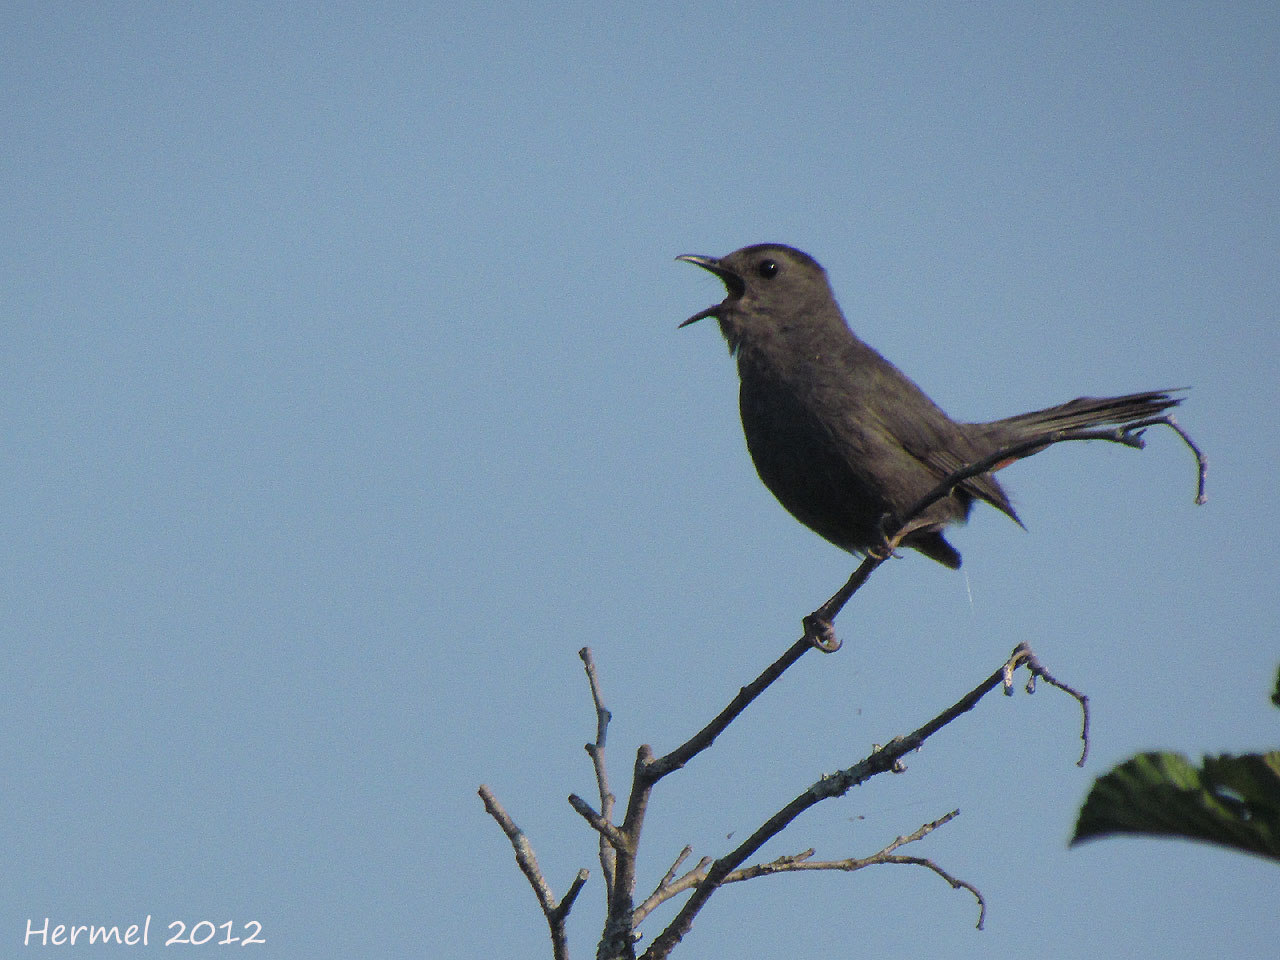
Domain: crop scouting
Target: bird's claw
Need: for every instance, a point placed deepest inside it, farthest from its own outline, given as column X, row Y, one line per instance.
column 881, row 551
column 890, row 539
column 821, row 633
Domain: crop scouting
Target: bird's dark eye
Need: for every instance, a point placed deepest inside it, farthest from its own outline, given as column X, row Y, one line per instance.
column 767, row 268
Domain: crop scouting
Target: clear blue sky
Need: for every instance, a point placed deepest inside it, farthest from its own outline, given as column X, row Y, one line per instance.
column 343, row 401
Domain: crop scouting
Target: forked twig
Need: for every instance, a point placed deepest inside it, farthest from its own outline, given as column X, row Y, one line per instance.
column 671, row 886
column 556, row 913
column 793, row 862
column 802, row 861
column 1024, row 656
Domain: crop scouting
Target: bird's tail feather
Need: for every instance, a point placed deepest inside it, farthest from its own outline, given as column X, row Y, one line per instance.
column 1078, row 414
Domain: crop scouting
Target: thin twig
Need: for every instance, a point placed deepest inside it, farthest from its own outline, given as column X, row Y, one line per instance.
column 680, row 858
column 803, row 861
column 608, row 832
column 1202, row 462
column 556, row 914
column 562, row 911
column 670, row 885
column 596, row 752
column 956, row 882
column 1036, row 669
column 682, row 754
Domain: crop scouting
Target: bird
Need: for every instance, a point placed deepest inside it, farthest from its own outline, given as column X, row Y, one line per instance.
column 845, row 441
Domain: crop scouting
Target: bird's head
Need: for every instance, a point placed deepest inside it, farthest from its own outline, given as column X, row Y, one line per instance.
column 771, row 290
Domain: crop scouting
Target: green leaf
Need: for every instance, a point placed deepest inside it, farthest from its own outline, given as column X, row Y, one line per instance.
column 1275, row 697
column 1232, row 801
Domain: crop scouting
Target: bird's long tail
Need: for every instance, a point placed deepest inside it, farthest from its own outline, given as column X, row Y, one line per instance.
column 1080, row 413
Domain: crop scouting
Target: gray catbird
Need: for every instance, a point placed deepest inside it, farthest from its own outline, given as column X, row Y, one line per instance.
column 839, row 435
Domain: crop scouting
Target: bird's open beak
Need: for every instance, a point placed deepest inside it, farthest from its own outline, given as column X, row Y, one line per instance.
column 733, row 283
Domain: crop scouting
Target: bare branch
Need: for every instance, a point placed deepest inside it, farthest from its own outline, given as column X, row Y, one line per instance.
column 1034, row 667
column 619, row 931
column 819, row 633
column 608, row 832
column 622, row 914
column 682, row 754
column 525, row 857
column 670, row 886
column 837, row 784
column 681, row 858
column 556, row 914
column 818, row 629
column 575, row 888
column 1202, row 462
column 596, row 752
column 956, row 882
column 802, row 861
